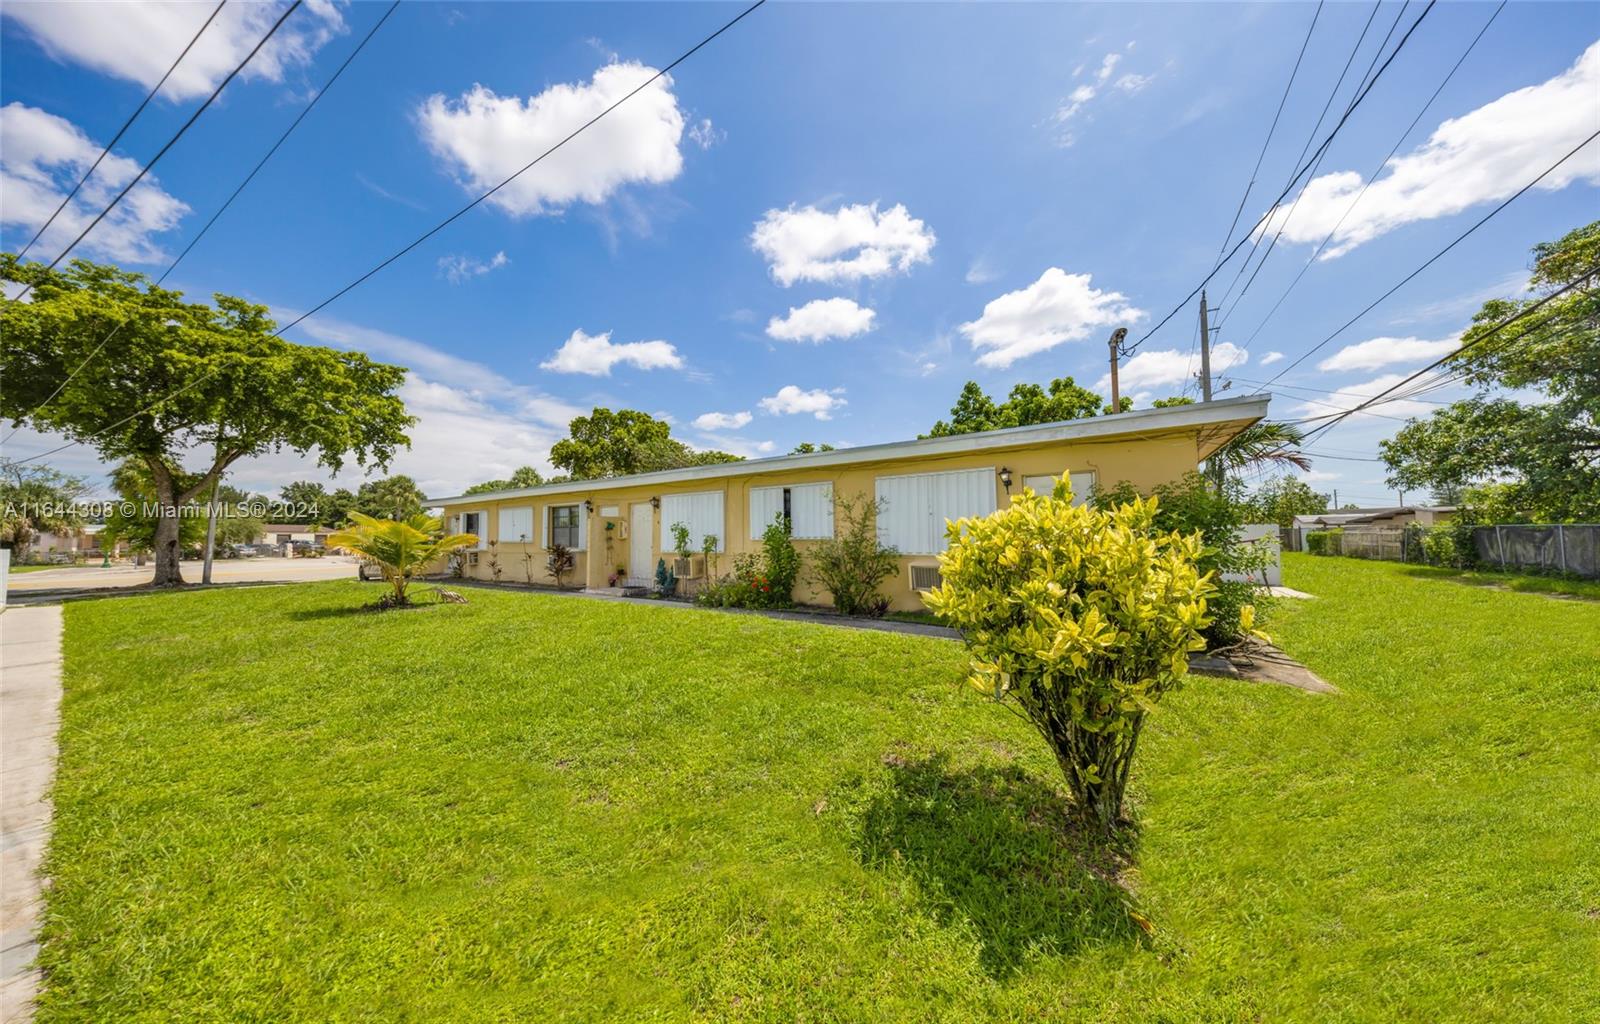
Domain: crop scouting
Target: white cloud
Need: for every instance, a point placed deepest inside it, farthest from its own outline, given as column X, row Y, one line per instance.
column 484, row 138
column 473, row 424
column 722, row 420
column 1171, row 367
column 460, row 268
column 981, row 272
column 734, row 445
column 595, row 355
column 1483, row 156
column 475, row 382
column 139, row 41
column 791, row 401
column 1369, row 355
column 1270, row 358
column 1057, row 308
column 1079, row 99
column 1352, row 395
column 42, row 156
column 821, row 319
column 704, row 134
column 850, row 243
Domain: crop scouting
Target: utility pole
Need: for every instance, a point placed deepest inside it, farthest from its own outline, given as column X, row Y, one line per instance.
column 1205, row 351
column 1116, row 347
column 1336, row 499
column 211, row 530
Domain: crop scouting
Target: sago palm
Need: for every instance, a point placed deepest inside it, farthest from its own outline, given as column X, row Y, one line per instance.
column 399, row 547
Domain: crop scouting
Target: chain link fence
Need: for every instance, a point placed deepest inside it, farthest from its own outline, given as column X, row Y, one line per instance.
column 1557, row 548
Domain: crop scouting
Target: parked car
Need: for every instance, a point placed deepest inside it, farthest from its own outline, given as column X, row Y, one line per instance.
column 367, row 569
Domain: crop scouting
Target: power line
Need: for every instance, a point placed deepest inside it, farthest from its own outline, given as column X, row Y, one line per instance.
column 120, row 131
column 170, row 142
column 1326, row 106
column 1271, row 130
column 430, row 232
column 1366, row 91
column 1373, row 177
column 1432, row 259
column 1474, row 343
column 219, row 212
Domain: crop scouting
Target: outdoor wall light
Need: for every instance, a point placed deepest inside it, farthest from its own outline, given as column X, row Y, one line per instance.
column 1005, row 477
column 588, row 506
column 655, row 503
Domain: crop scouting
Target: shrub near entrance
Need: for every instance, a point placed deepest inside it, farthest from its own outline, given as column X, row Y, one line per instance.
column 1085, row 617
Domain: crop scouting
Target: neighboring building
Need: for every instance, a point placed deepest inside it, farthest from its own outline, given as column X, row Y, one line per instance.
column 70, row 545
column 1397, row 515
column 1392, row 517
column 626, row 522
column 293, row 533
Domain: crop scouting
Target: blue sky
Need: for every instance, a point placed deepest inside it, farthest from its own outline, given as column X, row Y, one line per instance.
column 829, row 220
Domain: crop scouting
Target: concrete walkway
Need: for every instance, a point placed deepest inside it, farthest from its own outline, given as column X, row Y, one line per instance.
column 30, row 711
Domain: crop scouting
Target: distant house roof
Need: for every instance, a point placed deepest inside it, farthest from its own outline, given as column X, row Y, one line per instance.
column 295, row 528
column 1366, row 515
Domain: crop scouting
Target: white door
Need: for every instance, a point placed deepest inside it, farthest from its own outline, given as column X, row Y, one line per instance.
column 643, row 524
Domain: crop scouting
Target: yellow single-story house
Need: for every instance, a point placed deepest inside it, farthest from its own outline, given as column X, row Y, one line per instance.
column 620, row 526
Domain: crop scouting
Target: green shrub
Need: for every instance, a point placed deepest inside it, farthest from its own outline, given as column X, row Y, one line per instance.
column 1323, row 542
column 761, row 579
column 560, row 562
column 1192, row 504
column 666, row 579
column 1085, row 616
column 852, row 563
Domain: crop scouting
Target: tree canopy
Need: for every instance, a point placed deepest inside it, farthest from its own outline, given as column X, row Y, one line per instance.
column 1540, row 458
column 165, row 381
column 36, row 499
column 1028, row 404
column 524, row 476
column 1282, row 498
column 606, row 443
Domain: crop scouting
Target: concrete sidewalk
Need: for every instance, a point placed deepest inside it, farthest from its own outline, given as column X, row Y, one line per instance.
column 30, row 711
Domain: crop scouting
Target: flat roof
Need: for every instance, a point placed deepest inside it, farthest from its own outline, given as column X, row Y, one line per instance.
column 1248, row 408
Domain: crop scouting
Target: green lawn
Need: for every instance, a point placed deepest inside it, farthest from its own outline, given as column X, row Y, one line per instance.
column 1567, row 586
column 545, row 808
column 36, row 568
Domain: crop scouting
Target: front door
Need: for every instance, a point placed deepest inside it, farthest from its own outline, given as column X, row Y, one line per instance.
column 641, row 542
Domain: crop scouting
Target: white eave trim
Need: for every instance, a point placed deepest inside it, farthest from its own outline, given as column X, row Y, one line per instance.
column 1200, row 414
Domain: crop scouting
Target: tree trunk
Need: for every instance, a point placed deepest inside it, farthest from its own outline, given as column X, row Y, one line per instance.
column 168, row 571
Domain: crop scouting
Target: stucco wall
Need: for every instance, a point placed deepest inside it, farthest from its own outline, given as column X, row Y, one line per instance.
column 1143, row 462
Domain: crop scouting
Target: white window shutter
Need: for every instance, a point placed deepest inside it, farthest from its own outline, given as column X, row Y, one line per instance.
column 1083, row 487
column 811, row 511
column 583, row 529
column 918, row 506
column 544, row 526
column 765, row 505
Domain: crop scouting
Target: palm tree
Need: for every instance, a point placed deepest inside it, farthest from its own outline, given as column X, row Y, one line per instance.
column 400, row 547
column 1261, row 445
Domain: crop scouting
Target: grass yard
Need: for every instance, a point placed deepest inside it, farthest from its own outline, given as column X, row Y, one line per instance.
column 545, row 808
column 1566, row 586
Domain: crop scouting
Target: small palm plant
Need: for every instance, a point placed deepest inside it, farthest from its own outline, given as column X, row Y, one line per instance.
column 400, row 547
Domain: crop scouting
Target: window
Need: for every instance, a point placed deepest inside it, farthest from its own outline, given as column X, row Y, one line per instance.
column 516, row 525
column 808, row 509
column 473, row 523
column 564, row 526
column 1082, row 485
column 700, row 512
column 916, row 507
